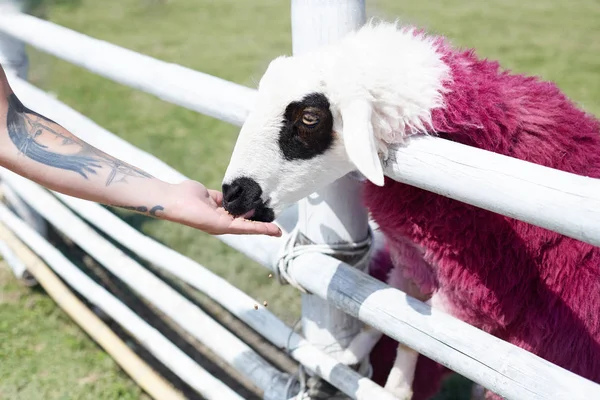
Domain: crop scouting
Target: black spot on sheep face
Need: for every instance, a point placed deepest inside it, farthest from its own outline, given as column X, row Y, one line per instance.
column 307, row 129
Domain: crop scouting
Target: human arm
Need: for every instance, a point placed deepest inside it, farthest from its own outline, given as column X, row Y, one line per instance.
column 41, row 150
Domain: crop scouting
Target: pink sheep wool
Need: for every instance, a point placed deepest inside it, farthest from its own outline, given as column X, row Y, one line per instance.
column 526, row 285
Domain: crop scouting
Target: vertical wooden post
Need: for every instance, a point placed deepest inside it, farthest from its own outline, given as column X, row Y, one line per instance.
column 13, row 56
column 335, row 214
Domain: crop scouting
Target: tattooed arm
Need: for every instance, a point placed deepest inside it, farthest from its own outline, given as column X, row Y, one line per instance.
column 41, row 150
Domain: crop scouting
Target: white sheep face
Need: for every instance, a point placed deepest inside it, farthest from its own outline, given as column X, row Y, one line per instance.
column 288, row 147
column 326, row 113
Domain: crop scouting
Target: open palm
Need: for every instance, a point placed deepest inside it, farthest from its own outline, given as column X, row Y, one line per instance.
column 202, row 208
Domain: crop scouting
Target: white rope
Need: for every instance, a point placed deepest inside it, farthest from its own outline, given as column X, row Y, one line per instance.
column 292, row 250
column 288, row 253
column 303, row 392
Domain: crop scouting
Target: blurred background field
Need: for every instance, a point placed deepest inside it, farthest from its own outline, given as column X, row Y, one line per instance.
column 43, row 355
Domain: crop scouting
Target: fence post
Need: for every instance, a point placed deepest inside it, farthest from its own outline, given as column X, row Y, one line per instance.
column 13, row 56
column 14, row 61
column 334, row 214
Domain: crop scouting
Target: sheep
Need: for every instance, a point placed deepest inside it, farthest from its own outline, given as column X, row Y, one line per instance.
column 340, row 108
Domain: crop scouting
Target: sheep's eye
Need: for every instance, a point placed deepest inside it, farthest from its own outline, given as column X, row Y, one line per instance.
column 310, row 119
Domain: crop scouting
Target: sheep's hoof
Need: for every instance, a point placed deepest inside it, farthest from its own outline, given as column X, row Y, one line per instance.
column 348, row 358
column 403, row 392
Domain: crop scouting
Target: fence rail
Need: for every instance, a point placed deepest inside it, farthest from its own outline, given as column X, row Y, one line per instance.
column 523, row 190
column 160, row 347
column 185, row 87
column 546, row 197
column 559, row 201
column 188, row 316
column 497, row 365
column 150, row 287
column 150, row 381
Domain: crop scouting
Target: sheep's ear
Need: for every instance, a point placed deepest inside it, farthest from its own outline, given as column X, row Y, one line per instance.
column 359, row 140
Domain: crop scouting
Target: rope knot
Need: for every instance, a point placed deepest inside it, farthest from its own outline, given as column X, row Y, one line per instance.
column 298, row 244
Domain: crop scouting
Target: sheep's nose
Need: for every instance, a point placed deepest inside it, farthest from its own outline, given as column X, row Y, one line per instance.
column 241, row 195
column 233, row 192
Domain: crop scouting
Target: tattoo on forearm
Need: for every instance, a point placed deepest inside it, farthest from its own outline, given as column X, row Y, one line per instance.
column 25, row 126
column 143, row 209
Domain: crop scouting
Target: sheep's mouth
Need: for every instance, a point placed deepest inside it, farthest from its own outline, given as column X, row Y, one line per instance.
column 259, row 211
column 249, row 214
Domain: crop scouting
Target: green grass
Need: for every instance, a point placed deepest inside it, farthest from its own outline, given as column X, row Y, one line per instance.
column 235, row 40
column 43, row 355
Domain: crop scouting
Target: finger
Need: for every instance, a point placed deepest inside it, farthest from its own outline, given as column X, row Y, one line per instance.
column 223, row 212
column 216, row 196
column 244, row 226
column 228, row 224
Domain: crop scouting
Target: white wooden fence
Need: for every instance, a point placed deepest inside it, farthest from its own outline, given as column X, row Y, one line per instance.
column 341, row 295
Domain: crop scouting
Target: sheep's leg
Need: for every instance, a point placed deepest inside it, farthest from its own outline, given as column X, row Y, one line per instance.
column 477, row 392
column 400, row 379
column 401, row 376
column 360, row 346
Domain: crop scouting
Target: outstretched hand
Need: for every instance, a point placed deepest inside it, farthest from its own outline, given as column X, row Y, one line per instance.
column 202, row 208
